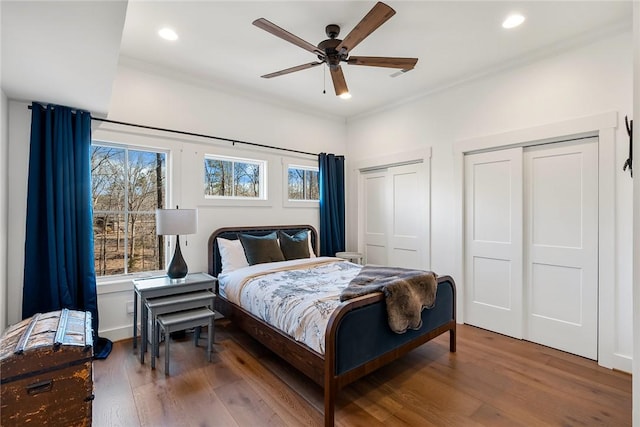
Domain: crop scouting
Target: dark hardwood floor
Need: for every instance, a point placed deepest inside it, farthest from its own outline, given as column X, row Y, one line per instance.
column 492, row 380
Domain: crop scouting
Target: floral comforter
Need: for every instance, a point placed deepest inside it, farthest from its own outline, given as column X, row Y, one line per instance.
column 297, row 297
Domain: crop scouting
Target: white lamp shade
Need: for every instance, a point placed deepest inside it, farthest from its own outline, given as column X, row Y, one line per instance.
column 176, row 221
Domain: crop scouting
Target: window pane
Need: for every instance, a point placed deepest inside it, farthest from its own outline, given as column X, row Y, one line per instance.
column 303, row 184
column 108, row 235
column 296, row 184
column 312, row 189
column 142, row 243
column 218, row 177
column 246, row 179
column 107, row 178
column 145, row 177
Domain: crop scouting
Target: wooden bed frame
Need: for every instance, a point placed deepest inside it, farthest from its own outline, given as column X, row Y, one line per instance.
column 358, row 339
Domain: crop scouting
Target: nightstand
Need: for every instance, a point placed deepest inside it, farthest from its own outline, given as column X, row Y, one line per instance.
column 351, row 256
column 151, row 289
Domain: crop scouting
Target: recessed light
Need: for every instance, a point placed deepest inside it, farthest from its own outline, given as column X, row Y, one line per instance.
column 345, row 95
column 513, row 21
column 168, row 34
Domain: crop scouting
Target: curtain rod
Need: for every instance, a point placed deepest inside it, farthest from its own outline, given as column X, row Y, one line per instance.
column 201, row 135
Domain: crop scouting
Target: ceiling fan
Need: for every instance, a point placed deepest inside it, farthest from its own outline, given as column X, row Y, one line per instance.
column 333, row 51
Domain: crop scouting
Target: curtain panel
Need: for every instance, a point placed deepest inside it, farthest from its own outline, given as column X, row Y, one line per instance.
column 59, row 268
column 332, row 224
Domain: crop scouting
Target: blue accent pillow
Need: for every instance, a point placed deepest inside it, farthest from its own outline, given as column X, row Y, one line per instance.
column 296, row 246
column 261, row 249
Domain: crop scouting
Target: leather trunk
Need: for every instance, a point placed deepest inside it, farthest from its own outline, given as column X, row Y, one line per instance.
column 46, row 370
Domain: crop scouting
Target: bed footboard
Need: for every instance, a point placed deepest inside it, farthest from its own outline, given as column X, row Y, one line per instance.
column 361, row 331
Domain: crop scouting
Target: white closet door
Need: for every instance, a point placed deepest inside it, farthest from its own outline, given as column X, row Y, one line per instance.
column 493, row 241
column 374, row 189
column 561, row 269
column 407, row 224
column 396, row 216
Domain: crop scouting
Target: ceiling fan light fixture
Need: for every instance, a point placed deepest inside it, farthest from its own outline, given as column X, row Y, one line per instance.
column 512, row 21
column 333, row 51
column 168, row 34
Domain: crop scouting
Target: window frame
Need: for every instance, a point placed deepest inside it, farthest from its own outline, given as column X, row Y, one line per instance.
column 114, row 278
column 298, row 164
column 261, row 200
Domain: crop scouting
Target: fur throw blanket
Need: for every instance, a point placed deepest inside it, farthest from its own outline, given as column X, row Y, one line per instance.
column 406, row 293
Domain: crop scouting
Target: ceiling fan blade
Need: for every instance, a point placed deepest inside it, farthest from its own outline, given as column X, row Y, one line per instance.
column 339, row 83
column 291, row 70
column 272, row 28
column 377, row 16
column 382, row 61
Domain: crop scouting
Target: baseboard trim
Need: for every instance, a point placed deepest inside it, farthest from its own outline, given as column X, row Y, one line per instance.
column 118, row 334
column 622, row 362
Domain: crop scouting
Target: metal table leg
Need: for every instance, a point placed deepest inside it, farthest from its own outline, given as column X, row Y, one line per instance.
column 144, row 319
column 135, row 319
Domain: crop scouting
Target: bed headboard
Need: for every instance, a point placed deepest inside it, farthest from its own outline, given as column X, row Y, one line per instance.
column 231, row 233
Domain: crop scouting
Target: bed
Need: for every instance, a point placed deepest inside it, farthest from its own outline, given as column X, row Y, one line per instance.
column 357, row 339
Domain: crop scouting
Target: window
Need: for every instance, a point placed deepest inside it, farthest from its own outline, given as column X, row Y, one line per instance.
column 128, row 185
column 303, row 183
column 229, row 177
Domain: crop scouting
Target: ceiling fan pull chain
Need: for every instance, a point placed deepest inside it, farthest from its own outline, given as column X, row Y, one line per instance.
column 324, row 80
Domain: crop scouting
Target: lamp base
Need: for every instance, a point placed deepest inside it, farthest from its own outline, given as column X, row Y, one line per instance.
column 178, row 267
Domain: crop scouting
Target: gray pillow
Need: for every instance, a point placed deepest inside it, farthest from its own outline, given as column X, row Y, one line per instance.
column 294, row 247
column 261, row 249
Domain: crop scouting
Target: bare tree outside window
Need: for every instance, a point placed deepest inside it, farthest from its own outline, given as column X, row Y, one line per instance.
column 233, row 178
column 303, row 183
column 218, row 175
column 128, row 185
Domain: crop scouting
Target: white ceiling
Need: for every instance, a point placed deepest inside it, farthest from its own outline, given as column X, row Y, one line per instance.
column 61, row 52
column 218, row 46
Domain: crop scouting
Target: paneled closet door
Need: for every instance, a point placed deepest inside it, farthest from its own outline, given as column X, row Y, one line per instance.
column 396, row 217
column 493, row 241
column 561, row 256
column 374, row 190
column 407, row 224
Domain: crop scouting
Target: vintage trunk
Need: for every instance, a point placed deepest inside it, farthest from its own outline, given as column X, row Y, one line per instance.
column 46, row 370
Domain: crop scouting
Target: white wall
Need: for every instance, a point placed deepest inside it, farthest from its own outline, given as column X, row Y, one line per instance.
column 142, row 97
column 17, row 170
column 636, row 215
column 4, row 142
column 582, row 82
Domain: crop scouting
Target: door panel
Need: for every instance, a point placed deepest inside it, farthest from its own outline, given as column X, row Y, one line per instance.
column 557, row 183
column 492, row 201
column 492, row 280
column 561, row 269
column 375, row 218
column 548, row 300
column 493, row 241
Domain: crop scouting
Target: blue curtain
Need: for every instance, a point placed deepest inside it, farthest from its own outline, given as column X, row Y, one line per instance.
column 59, row 270
column 332, row 226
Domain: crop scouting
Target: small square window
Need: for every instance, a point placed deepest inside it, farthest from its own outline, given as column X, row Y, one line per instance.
column 302, row 183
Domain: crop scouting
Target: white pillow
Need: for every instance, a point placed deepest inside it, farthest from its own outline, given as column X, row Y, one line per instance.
column 232, row 254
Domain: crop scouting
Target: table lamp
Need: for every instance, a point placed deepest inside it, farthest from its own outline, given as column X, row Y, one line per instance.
column 175, row 222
